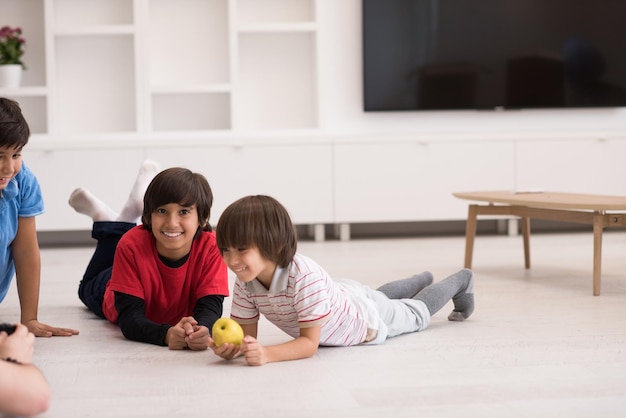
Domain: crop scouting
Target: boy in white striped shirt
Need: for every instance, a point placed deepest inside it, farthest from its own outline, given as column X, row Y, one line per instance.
column 258, row 242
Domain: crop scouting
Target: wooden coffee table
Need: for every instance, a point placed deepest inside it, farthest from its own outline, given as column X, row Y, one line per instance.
column 601, row 211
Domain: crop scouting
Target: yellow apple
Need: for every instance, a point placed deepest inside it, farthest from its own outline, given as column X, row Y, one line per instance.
column 226, row 330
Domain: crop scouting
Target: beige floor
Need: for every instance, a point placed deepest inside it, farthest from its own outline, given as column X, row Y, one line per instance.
column 539, row 344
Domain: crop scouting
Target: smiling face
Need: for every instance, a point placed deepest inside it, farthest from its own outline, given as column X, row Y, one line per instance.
column 174, row 226
column 248, row 264
column 259, row 225
column 10, row 164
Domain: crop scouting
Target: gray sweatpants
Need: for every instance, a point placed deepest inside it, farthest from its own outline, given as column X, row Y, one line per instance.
column 390, row 317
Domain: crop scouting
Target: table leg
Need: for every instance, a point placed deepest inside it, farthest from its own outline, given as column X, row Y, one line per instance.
column 526, row 236
column 597, row 251
column 470, row 234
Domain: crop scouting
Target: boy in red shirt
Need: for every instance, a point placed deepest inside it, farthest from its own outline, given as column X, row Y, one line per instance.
column 163, row 282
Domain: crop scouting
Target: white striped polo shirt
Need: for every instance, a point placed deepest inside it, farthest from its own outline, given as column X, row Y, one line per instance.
column 303, row 295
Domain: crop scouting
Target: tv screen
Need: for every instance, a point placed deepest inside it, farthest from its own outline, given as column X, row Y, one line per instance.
column 493, row 54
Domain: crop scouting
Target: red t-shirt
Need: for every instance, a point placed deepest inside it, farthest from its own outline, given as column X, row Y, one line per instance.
column 169, row 294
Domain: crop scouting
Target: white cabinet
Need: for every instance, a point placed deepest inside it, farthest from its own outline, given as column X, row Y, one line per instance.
column 576, row 165
column 107, row 173
column 386, row 180
column 300, row 175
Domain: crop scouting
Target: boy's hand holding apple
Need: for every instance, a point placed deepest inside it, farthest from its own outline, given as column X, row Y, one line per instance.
column 227, row 338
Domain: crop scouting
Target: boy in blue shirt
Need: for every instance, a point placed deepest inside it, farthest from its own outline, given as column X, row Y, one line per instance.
column 20, row 201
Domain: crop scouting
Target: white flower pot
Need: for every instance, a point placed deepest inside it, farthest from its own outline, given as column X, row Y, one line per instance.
column 10, row 75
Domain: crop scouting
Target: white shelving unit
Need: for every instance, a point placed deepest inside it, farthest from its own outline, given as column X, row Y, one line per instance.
column 185, row 82
column 33, row 95
column 151, row 66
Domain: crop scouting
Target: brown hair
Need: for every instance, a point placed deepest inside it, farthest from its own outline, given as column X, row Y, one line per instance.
column 14, row 130
column 182, row 186
column 258, row 221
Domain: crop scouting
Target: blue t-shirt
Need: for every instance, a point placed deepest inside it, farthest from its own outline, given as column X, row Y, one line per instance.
column 21, row 198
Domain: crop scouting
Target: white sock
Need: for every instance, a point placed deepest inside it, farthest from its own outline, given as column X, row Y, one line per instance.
column 86, row 203
column 131, row 212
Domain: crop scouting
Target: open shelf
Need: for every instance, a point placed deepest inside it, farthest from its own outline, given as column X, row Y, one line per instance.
column 95, row 84
column 98, row 67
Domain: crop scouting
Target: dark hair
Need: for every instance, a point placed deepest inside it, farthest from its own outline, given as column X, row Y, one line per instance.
column 182, row 186
column 258, row 221
column 8, row 328
column 14, row 130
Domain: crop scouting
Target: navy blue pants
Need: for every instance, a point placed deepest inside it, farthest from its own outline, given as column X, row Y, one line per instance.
column 92, row 286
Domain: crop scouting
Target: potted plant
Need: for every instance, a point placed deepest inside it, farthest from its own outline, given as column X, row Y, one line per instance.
column 11, row 50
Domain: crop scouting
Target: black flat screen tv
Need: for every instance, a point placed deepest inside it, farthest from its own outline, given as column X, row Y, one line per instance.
column 493, row 54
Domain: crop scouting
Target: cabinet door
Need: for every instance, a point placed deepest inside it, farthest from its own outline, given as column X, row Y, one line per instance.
column 108, row 174
column 396, row 182
column 299, row 176
column 575, row 166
